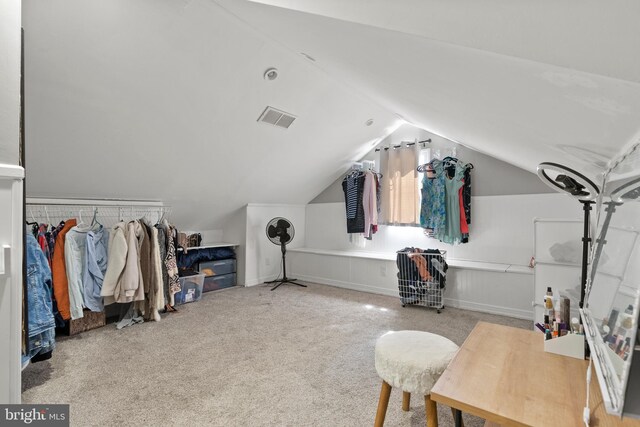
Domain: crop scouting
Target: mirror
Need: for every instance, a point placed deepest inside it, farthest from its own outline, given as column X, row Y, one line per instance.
column 611, row 311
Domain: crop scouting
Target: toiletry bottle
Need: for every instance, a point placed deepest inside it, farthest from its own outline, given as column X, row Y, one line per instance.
column 546, row 321
column 547, row 334
column 627, row 320
column 613, row 318
column 626, row 349
column 548, row 304
column 548, row 299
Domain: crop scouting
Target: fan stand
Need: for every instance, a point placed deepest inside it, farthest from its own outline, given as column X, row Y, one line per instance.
column 284, row 279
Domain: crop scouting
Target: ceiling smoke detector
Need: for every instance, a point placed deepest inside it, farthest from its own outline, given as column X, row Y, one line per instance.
column 271, row 74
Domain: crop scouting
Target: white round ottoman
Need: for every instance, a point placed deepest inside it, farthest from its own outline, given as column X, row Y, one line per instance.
column 412, row 361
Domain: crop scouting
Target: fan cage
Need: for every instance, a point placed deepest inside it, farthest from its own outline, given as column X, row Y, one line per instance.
column 274, row 223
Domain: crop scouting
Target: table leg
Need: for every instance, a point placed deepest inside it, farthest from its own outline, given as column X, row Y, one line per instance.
column 457, row 417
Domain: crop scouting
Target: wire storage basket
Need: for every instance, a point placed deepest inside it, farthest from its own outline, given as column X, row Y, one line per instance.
column 422, row 277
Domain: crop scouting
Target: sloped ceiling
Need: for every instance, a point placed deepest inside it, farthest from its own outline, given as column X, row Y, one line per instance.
column 522, row 81
column 158, row 100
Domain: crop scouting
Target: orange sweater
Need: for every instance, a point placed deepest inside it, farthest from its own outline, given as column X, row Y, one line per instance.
column 59, row 272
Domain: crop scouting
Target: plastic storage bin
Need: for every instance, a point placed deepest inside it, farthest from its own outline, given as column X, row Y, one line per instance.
column 213, row 283
column 191, row 289
column 223, row 266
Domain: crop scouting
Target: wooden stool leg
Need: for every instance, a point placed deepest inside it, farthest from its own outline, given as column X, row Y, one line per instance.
column 406, row 399
column 432, row 411
column 385, row 392
column 453, row 412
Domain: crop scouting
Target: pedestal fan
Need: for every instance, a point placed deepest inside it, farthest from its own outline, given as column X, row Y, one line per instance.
column 280, row 231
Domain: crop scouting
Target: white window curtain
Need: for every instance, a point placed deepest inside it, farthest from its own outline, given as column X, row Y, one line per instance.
column 400, row 201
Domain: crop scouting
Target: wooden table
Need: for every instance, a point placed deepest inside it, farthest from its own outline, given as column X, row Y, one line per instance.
column 503, row 375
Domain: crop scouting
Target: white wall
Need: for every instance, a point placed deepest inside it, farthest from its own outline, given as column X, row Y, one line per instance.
column 11, row 192
column 10, row 18
column 235, row 231
column 501, row 229
column 169, row 93
column 508, row 294
column 502, row 232
column 490, row 176
column 262, row 258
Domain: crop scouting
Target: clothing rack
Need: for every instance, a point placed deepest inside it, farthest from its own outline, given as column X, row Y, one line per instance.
column 406, row 143
column 106, row 212
column 360, row 168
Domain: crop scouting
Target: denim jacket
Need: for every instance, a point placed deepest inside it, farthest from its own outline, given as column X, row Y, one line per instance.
column 41, row 320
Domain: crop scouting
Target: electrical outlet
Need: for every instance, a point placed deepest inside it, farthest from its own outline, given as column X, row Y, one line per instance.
column 383, row 270
column 267, row 261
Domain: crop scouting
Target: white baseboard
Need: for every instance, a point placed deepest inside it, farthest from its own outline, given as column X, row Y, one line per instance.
column 465, row 305
column 491, row 309
column 348, row 285
column 258, row 281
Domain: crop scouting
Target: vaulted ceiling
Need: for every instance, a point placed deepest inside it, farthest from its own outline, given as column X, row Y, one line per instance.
column 522, row 81
column 158, row 99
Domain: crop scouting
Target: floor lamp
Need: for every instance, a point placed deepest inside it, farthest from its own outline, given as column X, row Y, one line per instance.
column 582, row 188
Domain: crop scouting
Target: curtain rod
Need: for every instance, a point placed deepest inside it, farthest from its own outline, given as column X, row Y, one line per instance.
column 407, row 143
column 93, row 202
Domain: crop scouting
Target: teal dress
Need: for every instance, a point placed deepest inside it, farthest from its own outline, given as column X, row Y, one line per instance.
column 451, row 233
column 433, row 208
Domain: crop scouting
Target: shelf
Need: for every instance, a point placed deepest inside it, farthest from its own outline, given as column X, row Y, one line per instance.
column 562, row 264
column 211, row 245
column 453, row 263
column 353, row 254
column 520, row 269
column 478, row 265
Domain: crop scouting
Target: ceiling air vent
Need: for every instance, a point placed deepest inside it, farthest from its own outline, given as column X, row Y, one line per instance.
column 276, row 117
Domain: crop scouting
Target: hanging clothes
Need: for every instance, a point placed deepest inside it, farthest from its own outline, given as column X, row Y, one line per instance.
column 41, row 340
column 451, row 233
column 466, row 193
column 464, row 226
column 351, row 195
column 59, row 271
column 95, row 267
column 433, row 212
column 50, row 237
column 151, row 275
column 132, row 275
column 378, row 198
column 145, row 268
column 446, row 200
column 157, row 300
column 162, row 246
column 369, row 204
column 356, row 223
column 122, row 280
column 172, row 266
column 75, row 259
column 42, row 240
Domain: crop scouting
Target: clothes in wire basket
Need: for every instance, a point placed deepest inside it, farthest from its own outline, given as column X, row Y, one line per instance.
column 422, row 275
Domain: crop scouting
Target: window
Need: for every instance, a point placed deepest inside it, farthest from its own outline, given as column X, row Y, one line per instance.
column 400, row 197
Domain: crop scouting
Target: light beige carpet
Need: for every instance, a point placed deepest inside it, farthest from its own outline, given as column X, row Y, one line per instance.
column 244, row 357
